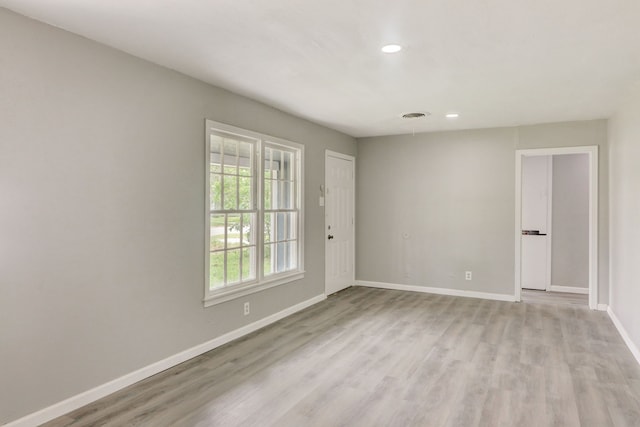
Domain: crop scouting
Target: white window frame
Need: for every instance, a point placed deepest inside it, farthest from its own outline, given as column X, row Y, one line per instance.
column 230, row 292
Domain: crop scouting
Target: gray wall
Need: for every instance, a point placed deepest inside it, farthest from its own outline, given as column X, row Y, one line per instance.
column 625, row 214
column 453, row 194
column 102, row 213
column 570, row 219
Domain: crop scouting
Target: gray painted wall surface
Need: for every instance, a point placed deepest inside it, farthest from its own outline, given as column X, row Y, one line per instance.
column 625, row 214
column 570, row 218
column 102, row 213
column 453, row 194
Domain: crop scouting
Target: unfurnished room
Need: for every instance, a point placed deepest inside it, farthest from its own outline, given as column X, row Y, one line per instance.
column 335, row 213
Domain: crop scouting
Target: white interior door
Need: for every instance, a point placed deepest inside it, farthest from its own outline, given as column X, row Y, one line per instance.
column 339, row 222
column 536, row 222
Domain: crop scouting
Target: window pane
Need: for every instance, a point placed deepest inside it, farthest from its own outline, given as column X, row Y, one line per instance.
column 287, row 256
column 216, row 144
column 246, row 192
column 217, row 232
column 280, row 227
column 215, row 157
column 230, row 192
column 248, row 228
column 268, row 227
column 269, row 259
column 275, row 194
column 285, row 197
column 233, row 230
column 281, row 257
column 214, row 164
column 230, row 156
column 276, row 163
column 248, row 261
column 286, row 226
column 268, row 194
column 215, row 192
column 292, row 255
column 292, row 226
column 230, row 169
column 287, row 166
column 233, row 266
column 216, row 270
column 267, row 163
column 284, row 256
column 245, row 158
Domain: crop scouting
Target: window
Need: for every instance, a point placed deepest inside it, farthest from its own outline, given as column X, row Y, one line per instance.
column 254, row 212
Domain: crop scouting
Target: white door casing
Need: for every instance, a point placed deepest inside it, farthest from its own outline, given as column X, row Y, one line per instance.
column 339, row 230
column 592, row 152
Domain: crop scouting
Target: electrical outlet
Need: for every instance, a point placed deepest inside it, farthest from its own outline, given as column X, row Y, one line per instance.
column 247, row 308
column 467, row 275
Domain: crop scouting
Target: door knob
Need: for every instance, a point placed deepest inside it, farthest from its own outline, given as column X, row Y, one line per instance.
column 330, row 237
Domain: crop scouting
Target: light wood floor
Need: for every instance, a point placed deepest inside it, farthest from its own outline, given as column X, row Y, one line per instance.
column 372, row 357
column 544, row 297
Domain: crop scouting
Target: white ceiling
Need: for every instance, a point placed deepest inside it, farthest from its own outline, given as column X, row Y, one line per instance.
column 496, row 62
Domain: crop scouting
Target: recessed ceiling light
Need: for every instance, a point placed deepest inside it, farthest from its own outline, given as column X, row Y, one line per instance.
column 452, row 115
column 391, row 48
column 415, row 115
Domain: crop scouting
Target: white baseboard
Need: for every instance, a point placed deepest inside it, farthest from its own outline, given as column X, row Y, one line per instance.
column 79, row 400
column 569, row 289
column 439, row 291
column 625, row 336
column 603, row 307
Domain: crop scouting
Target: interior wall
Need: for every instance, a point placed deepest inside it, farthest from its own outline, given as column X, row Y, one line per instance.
column 570, row 221
column 434, row 205
column 625, row 214
column 102, row 213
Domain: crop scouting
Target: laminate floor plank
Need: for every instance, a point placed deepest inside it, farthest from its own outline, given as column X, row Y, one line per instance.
column 530, row 295
column 372, row 357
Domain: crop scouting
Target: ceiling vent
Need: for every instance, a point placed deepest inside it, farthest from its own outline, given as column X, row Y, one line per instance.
column 415, row 115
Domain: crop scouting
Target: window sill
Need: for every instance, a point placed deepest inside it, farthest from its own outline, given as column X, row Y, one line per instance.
column 234, row 292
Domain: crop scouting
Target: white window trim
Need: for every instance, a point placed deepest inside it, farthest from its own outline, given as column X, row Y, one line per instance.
column 260, row 283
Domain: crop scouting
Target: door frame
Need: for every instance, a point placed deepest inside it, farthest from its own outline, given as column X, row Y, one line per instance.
column 352, row 159
column 549, row 219
column 592, row 152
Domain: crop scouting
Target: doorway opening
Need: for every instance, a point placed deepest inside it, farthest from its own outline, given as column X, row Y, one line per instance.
column 556, row 246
